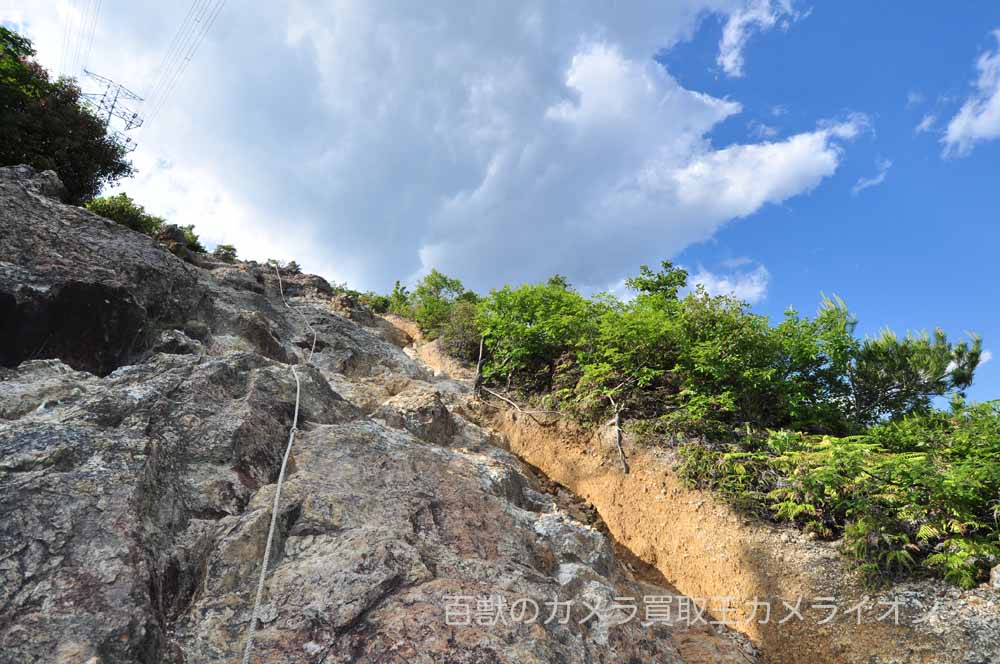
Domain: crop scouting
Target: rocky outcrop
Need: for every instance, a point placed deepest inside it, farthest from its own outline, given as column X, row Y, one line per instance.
column 145, row 405
column 80, row 287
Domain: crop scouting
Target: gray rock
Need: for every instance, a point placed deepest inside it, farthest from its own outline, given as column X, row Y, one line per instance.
column 136, row 486
column 422, row 413
column 177, row 343
column 81, row 288
column 46, row 183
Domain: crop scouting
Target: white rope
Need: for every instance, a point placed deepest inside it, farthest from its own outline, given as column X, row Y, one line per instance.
column 248, row 648
column 302, row 315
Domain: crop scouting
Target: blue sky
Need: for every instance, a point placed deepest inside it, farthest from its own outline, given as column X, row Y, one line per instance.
column 770, row 146
column 920, row 249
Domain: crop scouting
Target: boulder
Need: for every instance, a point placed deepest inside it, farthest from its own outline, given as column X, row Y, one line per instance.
column 421, row 412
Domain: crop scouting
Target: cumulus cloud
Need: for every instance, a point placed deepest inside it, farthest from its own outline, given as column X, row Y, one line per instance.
column 985, row 357
column 882, row 167
column 979, row 118
column 748, row 285
column 756, row 16
column 738, row 180
column 496, row 143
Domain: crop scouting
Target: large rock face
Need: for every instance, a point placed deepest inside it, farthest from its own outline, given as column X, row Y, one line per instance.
column 145, row 405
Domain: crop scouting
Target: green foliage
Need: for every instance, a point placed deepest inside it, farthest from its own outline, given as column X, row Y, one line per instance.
column 892, row 375
column 192, row 240
column 225, row 253
column 377, row 303
column 921, row 492
column 43, row 124
column 123, row 210
column 399, row 301
column 460, row 333
column 798, row 421
column 664, row 284
column 432, row 300
column 707, row 366
column 442, row 308
column 529, row 329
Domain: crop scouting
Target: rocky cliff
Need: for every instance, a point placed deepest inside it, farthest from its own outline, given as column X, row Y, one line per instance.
column 145, row 405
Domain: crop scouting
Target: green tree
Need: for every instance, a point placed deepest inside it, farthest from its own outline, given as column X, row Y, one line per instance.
column 892, row 376
column 529, row 328
column 460, row 333
column 399, row 300
column 665, row 284
column 225, row 253
column 44, row 125
column 432, row 299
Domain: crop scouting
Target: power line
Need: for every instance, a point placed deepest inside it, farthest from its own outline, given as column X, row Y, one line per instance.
column 187, row 49
column 207, row 20
column 93, row 32
column 173, row 58
column 65, row 46
column 78, row 36
column 81, row 36
column 72, row 18
column 152, row 91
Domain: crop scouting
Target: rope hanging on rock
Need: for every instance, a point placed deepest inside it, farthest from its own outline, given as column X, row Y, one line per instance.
column 248, row 648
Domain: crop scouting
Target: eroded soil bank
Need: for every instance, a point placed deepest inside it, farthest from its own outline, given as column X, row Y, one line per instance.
column 707, row 551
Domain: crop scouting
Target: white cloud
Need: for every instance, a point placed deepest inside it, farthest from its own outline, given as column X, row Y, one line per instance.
column 749, row 286
column 979, row 118
column 757, row 15
column 914, row 97
column 779, row 110
column 926, row 123
column 761, row 131
column 738, row 180
column 738, row 261
column 882, row 167
column 495, row 142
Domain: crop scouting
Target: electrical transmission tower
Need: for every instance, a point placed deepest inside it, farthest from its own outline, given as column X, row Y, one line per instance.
column 112, row 102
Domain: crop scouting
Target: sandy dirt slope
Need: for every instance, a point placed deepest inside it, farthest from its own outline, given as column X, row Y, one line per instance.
column 737, row 566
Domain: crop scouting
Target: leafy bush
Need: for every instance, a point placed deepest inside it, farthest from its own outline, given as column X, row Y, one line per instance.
column 922, row 492
column 432, row 300
column 192, row 240
column 377, row 303
column 125, row 211
column 799, row 421
column 460, row 333
column 225, row 253
column 528, row 329
column 707, row 366
column 399, row 301
column 43, row 124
